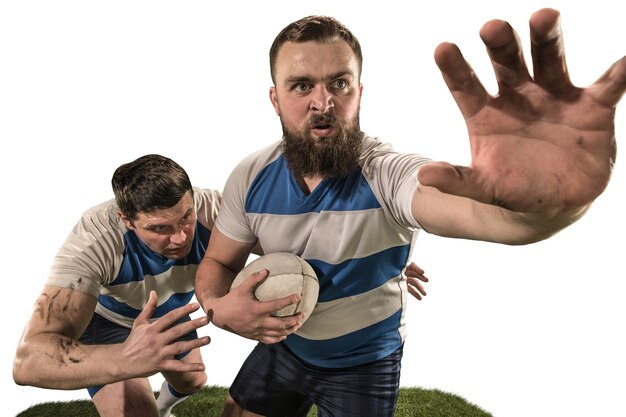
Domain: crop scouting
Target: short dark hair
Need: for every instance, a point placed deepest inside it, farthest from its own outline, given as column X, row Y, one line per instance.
column 318, row 29
column 149, row 183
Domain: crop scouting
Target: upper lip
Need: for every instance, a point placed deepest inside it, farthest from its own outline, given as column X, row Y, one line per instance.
column 322, row 122
column 178, row 248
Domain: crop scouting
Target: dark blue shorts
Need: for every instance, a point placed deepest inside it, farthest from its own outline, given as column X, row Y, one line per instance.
column 101, row 331
column 273, row 382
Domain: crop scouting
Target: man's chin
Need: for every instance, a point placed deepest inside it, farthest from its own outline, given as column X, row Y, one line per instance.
column 328, row 152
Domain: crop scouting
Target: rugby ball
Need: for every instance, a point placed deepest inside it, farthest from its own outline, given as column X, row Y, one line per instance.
column 288, row 274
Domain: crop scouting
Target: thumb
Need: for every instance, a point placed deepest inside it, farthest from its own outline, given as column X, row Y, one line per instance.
column 255, row 280
column 453, row 179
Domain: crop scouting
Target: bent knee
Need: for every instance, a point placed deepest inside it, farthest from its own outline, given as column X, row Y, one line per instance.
column 201, row 381
column 194, row 383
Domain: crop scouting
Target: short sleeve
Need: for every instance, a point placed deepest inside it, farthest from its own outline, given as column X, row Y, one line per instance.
column 92, row 253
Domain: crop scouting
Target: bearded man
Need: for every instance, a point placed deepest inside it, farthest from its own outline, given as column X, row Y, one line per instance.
column 352, row 206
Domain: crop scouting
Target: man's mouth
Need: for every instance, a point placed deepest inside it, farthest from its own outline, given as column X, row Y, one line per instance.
column 322, row 130
column 179, row 250
column 322, row 127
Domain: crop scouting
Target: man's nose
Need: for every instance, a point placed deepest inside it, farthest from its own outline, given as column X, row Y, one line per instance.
column 321, row 100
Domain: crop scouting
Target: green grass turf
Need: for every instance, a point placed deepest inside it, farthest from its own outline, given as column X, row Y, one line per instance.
column 413, row 402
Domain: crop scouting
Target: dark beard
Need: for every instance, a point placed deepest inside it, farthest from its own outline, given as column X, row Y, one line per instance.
column 331, row 156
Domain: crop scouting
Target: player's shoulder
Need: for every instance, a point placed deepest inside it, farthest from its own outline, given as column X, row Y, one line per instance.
column 255, row 161
column 99, row 231
column 206, row 196
column 374, row 146
column 378, row 154
column 105, row 213
column 207, row 199
column 207, row 203
column 250, row 166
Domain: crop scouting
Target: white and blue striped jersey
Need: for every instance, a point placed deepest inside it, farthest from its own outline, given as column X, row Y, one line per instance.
column 103, row 258
column 356, row 231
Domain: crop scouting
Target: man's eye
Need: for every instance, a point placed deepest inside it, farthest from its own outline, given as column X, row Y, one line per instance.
column 340, row 84
column 301, row 87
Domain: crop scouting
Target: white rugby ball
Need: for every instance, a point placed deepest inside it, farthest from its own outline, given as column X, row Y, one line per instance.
column 288, row 274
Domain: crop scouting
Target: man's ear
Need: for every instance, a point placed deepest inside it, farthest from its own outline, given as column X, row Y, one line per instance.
column 274, row 100
column 127, row 222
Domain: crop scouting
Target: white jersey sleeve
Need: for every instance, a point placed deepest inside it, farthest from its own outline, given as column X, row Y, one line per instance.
column 207, row 204
column 393, row 178
column 232, row 220
column 92, row 253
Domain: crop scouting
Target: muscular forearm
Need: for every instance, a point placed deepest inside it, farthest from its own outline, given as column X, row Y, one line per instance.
column 459, row 217
column 50, row 356
column 59, row 362
column 513, row 228
column 212, row 282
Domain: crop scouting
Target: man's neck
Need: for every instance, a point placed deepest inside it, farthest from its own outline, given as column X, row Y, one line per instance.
column 308, row 184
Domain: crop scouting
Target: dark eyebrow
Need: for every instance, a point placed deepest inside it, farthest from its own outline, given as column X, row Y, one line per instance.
column 306, row 79
column 155, row 225
column 340, row 74
column 298, row 79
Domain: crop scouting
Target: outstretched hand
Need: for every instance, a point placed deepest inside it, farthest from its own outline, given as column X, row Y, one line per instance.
column 151, row 346
column 541, row 145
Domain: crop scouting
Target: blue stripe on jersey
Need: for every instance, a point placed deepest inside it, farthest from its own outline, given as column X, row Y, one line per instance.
column 356, row 276
column 380, row 340
column 275, row 191
column 140, row 261
column 175, row 301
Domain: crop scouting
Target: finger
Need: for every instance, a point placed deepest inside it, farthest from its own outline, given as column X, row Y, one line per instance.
column 548, row 52
column 286, row 324
column 271, row 340
column 185, row 327
column 459, row 181
column 277, row 333
column 149, row 309
column 278, row 327
column 183, row 346
column 416, row 277
column 453, row 179
column 413, row 269
column 175, row 365
column 417, row 285
column 271, row 306
column 505, row 50
column 255, row 280
column 414, row 293
column 466, row 88
column 609, row 88
column 175, row 315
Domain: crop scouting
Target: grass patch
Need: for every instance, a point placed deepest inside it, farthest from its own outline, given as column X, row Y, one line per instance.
column 413, row 402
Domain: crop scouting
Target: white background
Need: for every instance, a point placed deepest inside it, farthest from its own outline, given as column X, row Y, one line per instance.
column 85, row 86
